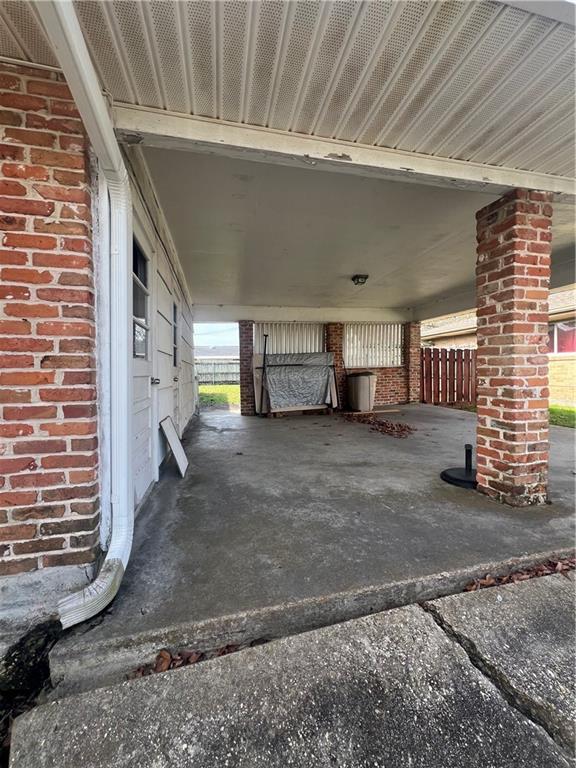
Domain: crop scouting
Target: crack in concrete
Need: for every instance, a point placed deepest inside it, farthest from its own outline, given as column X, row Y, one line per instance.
column 525, row 705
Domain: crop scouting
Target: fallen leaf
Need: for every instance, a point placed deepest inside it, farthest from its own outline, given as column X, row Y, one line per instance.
column 162, row 661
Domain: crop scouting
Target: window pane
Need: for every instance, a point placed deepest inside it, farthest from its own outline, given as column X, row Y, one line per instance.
column 139, row 303
column 551, row 338
column 139, row 264
column 174, row 335
column 140, row 341
column 566, row 336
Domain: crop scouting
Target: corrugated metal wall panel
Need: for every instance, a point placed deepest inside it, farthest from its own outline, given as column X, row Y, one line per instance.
column 373, row 345
column 286, row 338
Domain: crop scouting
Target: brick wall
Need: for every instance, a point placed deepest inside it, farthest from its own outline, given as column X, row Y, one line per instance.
column 563, row 379
column 334, row 341
column 48, row 431
column 513, row 273
column 393, row 385
column 413, row 361
column 246, row 341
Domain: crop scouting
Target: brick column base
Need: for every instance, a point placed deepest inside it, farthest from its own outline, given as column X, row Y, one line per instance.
column 334, row 343
column 246, row 340
column 412, row 361
column 513, row 274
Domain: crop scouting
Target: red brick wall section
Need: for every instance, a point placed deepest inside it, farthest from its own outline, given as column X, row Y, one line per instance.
column 513, row 274
column 334, row 342
column 391, row 384
column 246, row 340
column 48, row 430
column 413, row 361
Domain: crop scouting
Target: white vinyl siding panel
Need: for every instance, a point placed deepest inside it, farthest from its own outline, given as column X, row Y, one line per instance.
column 373, row 345
column 284, row 338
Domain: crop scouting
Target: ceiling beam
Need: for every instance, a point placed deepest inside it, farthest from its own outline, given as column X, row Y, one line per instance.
column 557, row 10
column 157, row 128
column 228, row 313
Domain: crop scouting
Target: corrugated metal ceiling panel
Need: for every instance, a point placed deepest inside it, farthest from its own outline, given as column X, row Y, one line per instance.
column 477, row 81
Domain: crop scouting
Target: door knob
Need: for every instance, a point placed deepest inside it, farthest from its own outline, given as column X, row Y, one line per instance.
column 154, row 381
column 175, row 378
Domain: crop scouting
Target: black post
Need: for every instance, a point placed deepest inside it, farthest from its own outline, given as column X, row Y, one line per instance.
column 263, row 374
column 468, row 452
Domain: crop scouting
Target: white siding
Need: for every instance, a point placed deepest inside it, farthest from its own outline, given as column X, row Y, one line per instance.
column 289, row 337
column 373, row 345
column 175, row 395
column 188, row 394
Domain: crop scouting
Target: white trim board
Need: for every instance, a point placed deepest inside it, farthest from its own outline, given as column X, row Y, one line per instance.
column 158, row 128
column 171, row 436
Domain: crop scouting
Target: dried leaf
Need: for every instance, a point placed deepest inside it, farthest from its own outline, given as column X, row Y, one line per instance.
column 163, row 661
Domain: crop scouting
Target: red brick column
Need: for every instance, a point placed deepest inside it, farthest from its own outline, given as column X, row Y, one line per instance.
column 335, row 344
column 513, row 273
column 48, row 428
column 412, row 361
column 246, row 338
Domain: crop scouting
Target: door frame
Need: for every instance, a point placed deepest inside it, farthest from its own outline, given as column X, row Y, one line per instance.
column 146, row 241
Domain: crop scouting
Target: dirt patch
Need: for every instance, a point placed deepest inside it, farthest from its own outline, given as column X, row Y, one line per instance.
column 24, row 674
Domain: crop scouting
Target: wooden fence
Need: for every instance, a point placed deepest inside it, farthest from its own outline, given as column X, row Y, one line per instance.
column 448, row 376
column 218, row 371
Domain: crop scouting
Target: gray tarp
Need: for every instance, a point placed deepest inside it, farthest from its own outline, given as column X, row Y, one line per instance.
column 298, row 379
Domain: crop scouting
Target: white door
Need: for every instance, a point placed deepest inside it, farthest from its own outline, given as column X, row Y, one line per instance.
column 166, row 351
column 142, row 368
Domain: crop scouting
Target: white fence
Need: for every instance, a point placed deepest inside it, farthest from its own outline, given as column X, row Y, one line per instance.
column 218, row 370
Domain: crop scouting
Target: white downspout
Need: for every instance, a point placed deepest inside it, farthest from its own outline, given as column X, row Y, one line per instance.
column 64, row 32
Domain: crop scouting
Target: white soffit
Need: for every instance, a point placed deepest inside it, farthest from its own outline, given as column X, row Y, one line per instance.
column 257, row 234
column 477, row 81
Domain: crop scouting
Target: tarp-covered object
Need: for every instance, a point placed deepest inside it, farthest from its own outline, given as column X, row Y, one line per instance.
column 298, row 379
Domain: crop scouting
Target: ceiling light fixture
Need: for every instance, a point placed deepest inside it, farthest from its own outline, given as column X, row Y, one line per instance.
column 359, row 279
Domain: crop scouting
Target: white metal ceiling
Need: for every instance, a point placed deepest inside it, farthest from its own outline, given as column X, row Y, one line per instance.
column 478, row 81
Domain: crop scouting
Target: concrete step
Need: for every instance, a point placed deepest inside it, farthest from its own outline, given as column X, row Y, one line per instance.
column 393, row 689
column 84, row 660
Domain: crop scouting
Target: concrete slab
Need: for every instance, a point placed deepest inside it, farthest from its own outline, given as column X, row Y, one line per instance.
column 29, row 599
column 523, row 636
column 311, row 518
column 387, row 690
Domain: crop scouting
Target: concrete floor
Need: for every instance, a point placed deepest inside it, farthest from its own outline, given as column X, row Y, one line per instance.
column 280, row 511
column 477, row 680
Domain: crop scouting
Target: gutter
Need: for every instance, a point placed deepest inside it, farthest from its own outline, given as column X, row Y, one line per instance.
column 63, row 30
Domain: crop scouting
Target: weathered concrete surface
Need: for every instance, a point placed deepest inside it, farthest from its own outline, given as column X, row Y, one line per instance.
column 29, row 599
column 309, row 520
column 388, row 690
column 523, row 636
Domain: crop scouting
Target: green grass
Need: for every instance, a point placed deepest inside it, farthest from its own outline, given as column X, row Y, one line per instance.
column 560, row 415
column 563, row 416
column 219, row 395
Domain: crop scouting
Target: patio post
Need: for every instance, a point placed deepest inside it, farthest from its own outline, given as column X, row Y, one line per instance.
column 512, row 278
column 412, row 361
column 246, row 343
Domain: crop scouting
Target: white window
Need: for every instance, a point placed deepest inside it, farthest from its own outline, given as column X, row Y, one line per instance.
column 289, row 337
column 562, row 337
column 175, row 335
column 140, row 302
column 373, row 345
